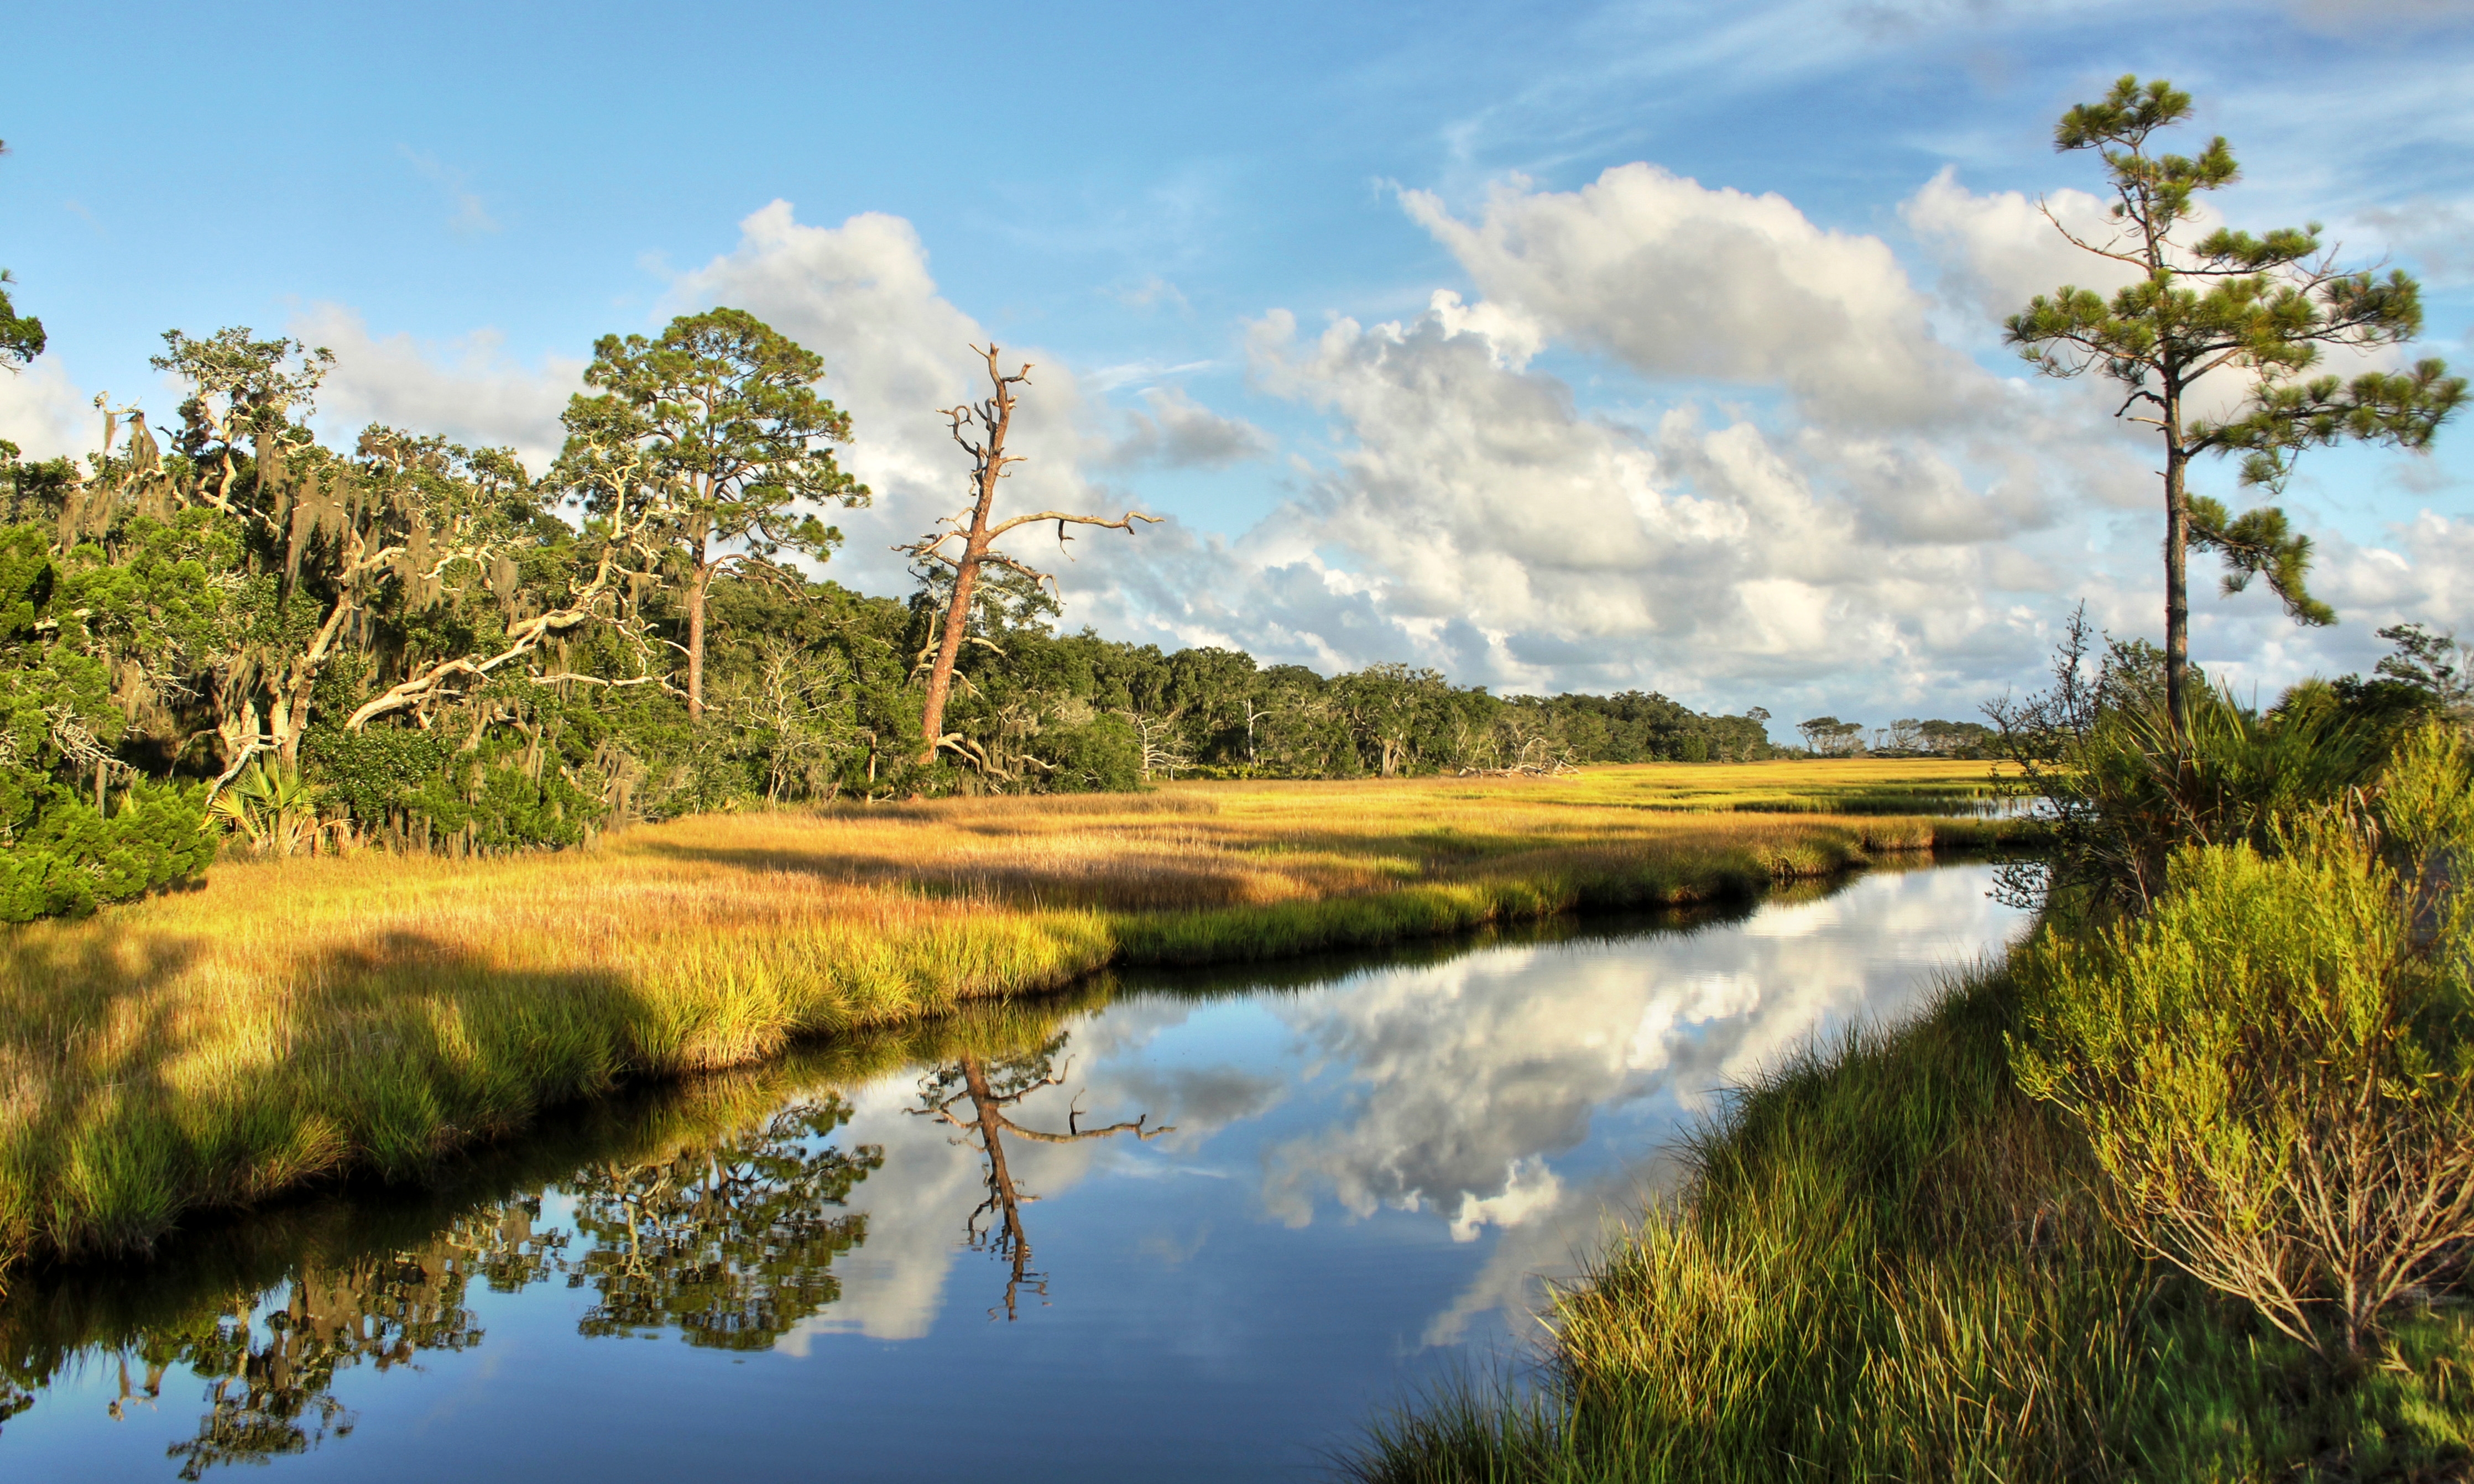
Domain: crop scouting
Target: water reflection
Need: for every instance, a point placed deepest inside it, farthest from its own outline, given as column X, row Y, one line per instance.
column 268, row 1360
column 995, row 1225
column 1379, row 1158
column 731, row 1243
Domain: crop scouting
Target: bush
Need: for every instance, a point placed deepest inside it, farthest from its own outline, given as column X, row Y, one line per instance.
column 74, row 860
column 1100, row 756
column 2274, row 1066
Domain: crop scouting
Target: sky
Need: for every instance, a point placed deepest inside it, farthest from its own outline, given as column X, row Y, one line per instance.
column 1580, row 347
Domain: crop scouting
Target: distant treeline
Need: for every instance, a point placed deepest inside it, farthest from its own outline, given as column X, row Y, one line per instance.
column 418, row 645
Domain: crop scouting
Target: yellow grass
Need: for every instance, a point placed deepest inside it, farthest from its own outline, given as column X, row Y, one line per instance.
column 292, row 1019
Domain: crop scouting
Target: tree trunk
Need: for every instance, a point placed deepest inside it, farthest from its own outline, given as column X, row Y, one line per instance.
column 958, row 618
column 697, row 587
column 2177, row 551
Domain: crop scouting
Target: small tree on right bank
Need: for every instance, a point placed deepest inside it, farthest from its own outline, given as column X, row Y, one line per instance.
column 2265, row 308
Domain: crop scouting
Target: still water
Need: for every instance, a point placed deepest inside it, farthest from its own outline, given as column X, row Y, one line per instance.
column 1182, row 1227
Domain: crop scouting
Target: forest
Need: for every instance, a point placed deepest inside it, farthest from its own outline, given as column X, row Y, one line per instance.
column 222, row 633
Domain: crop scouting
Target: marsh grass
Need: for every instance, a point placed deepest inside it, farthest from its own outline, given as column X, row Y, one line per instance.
column 293, row 1020
column 1883, row 1263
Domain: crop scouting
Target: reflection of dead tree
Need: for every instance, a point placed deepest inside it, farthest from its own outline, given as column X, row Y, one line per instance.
column 991, row 1091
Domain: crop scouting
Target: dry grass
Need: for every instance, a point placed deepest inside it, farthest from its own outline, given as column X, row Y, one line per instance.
column 292, row 1019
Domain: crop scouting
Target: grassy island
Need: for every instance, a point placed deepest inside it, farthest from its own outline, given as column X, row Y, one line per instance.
column 289, row 1020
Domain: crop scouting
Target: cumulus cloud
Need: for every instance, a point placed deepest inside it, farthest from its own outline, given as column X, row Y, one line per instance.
column 1998, row 251
column 467, row 389
column 1178, row 432
column 45, row 414
column 897, row 353
column 1680, row 281
column 2434, row 234
column 1476, row 515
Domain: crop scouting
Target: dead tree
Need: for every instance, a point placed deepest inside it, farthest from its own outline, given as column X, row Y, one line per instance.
column 981, row 428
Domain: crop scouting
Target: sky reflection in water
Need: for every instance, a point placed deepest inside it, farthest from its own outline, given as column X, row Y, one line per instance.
column 1361, row 1175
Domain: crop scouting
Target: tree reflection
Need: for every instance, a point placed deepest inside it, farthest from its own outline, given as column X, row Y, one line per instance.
column 727, row 1234
column 990, row 1087
column 731, row 1242
column 270, row 1378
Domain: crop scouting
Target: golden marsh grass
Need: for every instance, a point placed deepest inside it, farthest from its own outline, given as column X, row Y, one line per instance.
column 292, row 1019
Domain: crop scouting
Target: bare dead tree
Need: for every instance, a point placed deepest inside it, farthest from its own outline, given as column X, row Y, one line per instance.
column 981, row 428
column 969, row 1080
column 1158, row 736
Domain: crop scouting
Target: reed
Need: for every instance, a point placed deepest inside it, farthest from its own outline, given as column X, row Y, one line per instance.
column 295, row 1019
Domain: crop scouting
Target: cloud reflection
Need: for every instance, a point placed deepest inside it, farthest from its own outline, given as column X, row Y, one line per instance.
column 1463, row 1082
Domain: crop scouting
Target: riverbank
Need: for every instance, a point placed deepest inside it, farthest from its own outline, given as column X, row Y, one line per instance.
column 293, row 1020
column 1883, row 1263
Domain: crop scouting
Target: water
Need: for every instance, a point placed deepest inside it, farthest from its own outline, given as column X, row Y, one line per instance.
column 1367, row 1169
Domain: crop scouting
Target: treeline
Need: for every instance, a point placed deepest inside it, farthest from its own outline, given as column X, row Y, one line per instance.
column 412, row 644
column 1907, row 736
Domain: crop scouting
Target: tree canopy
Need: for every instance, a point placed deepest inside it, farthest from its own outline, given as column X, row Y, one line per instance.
column 2265, row 307
column 713, row 437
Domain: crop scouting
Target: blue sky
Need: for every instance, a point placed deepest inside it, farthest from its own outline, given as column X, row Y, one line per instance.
column 1623, row 453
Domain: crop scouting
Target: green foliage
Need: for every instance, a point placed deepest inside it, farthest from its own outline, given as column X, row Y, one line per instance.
column 2126, row 787
column 2268, row 305
column 65, row 843
column 2274, row 1066
column 1099, row 756
column 70, row 859
column 273, row 808
column 712, row 441
column 22, row 335
column 1830, row 735
column 415, row 645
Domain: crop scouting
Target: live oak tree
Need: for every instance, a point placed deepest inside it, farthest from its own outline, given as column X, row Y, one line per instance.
column 981, row 428
column 715, row 431
column 2262, row 306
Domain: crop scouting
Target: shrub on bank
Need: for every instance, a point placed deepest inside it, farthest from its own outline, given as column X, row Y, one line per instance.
column 2275, row 1068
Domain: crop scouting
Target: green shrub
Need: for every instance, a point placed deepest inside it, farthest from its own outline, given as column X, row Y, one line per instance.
column 1100, row 756
column 72, row 860
column 2274, row 1066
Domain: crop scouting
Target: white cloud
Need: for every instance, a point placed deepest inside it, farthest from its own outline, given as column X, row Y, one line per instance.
column 1680, row 281
column 897, row 353
column 45, row 414
column 2437, row 234
column 1178, row 432
column 1998, row 251
column 467, row 389
column 1475, row 517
